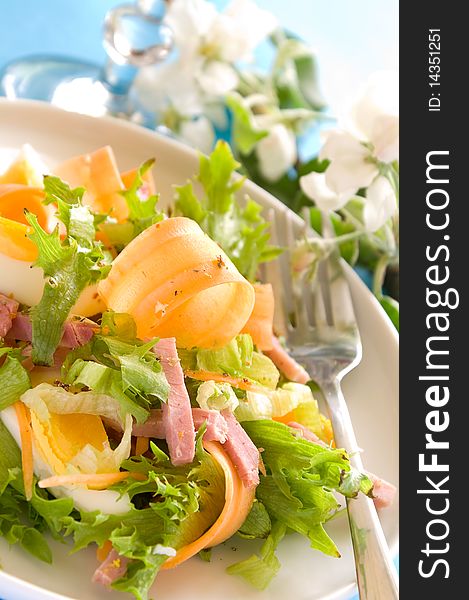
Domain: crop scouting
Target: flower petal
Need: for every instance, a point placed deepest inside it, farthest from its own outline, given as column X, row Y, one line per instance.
column 190, row 21
column 385, row 138
column 351, row 167
column 217, row 78
column 315, row 187
column 380, row 204
column 277, row 152
column 198, row 133
column 240, row 29
column 379, row 97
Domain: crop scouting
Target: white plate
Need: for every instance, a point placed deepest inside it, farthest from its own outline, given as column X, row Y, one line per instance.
column 371, row 391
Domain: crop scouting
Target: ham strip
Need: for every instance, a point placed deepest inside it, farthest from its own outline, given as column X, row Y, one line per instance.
column 241, row 450
column 8, row 308
column 285, row 363
column 76, row 333
column 177, row 414
column 383, row 491
column 307, row 434
column 153, row 427
column 112, row 568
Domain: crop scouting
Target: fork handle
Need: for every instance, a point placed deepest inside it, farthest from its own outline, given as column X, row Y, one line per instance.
column 376, row 574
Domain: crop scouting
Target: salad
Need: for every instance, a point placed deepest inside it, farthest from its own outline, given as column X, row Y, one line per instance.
column 147, row 408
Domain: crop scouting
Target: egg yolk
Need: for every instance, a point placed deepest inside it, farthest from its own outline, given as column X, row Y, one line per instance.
column 62, row 437
column 14, row 228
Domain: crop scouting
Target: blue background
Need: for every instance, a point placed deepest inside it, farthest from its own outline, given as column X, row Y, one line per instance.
column 352, row 38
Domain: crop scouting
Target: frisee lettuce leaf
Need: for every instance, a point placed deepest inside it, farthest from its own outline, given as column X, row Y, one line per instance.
column 69, row 265
column 142, row 212
column 179, row 504
column 14, row 379
column 238, row 359
column 241, row 231
column 260, row 570
column 23, row 522
column 300, row 477
column 257, row 524
column 275, row 403
column 122, row 367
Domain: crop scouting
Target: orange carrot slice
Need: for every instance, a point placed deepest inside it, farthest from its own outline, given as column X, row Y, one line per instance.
column 260, row 323
column 103, row 551
column 24, row 424
column 96, row 481
column 97, row 172
column 148, row 188
column 237, row 382
column 141, row 445
column 238, row 502
column 177, row 282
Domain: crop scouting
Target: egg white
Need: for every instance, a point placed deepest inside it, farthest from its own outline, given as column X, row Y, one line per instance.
column 25, row 283
column 106, row 501
column 21, row 280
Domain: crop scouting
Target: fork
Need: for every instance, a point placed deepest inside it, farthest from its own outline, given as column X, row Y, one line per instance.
column 318, row 321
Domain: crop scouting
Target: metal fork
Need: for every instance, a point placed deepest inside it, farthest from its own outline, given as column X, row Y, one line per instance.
column 318, row 321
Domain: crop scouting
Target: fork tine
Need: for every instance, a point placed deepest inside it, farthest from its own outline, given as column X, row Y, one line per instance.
column 274, row 275
column 320, row 313
column 300, row 289
column 339, row 296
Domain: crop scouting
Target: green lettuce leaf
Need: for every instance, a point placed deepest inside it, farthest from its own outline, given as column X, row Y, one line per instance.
column 14, row 379
column 260, row 570
column 117, row 364
column 257, row 523
column 300, row 477
column 178, row 504
column 142, row 212
column 241, row 231
column 23, row 522
column 69, row 265
column 237, row 359
column 276, row 403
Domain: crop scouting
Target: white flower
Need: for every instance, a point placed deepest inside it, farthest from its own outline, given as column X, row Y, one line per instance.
column 198, row 133
column 277, row 152
column 217, row 78
column 170, row 85
column 351, row 165
column 191, row 21
column 240, row 29
column 208, row 43
column 380, row 204
column 375, row 115
column 315, row 187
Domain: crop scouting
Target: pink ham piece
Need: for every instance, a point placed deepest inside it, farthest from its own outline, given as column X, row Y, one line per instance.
column 112, row 568
column 307, row 434
column 8, row 308
column 177, row 414
column 383, row 491
column 153, row 427
column 242, row 451
column 76, row 333
column 285, row 363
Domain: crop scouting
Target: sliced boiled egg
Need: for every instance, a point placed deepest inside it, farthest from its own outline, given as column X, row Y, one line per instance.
column 71, row 443
column 20, row 278
column 27, row 168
